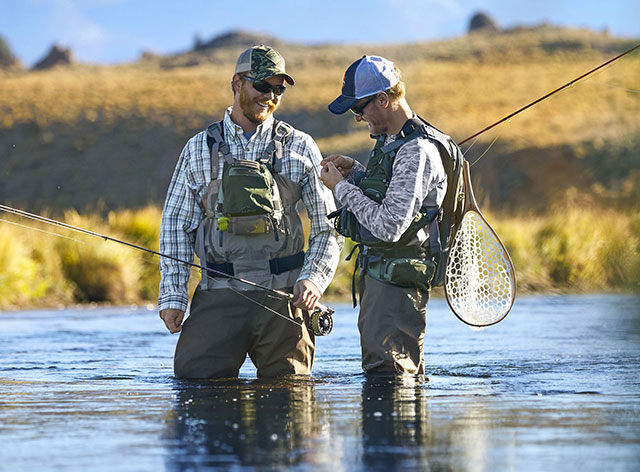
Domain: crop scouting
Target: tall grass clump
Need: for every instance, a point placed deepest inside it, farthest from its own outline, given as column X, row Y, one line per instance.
column 99, row 271
column 141, row 227
column 574, row 248
column 18, row 281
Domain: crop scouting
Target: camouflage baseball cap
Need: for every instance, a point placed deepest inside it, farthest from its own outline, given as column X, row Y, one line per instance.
column 263, row 62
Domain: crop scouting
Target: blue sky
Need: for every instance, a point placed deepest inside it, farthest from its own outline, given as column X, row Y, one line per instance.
column 111, row 31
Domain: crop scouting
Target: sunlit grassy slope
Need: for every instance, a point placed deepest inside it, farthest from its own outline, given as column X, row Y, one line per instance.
column 462, row 85
column 137, row 116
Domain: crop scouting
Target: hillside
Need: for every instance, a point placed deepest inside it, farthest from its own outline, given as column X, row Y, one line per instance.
column 92, row 136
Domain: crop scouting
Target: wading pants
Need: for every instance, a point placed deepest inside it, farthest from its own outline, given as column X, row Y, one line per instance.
column 223, row 327
column 392, row 323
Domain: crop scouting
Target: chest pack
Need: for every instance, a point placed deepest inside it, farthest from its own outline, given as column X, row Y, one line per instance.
column 250, row 227
column 415, row 260
column 248, row 199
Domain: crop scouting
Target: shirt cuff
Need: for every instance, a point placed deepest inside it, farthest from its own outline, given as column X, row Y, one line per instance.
column 174, row 301
column 318, row 280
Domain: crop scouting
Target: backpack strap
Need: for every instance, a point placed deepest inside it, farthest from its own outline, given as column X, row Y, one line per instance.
column 273, row 152
column 217, row 146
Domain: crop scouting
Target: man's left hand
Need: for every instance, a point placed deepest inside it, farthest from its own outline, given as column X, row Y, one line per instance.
column 306, row 294
column 330, row 175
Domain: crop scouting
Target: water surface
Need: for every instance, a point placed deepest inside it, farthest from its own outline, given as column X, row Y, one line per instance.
column 554, row 386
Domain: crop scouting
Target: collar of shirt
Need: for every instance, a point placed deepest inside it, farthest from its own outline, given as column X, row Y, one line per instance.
column 233, row 130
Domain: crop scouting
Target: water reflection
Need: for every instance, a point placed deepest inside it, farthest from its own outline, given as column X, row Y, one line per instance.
column 395, row 422
column 236, row 422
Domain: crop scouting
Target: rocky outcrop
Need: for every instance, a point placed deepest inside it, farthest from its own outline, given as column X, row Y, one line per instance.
column 481, row 22
column 234, row 38
column 7, row 59
column 57, row 56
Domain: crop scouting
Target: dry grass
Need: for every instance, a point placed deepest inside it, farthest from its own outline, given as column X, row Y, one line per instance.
column 571, row 249
column 461, row 86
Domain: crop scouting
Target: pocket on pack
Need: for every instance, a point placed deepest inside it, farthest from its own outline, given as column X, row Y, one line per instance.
column 247, row 225
column 406, row 272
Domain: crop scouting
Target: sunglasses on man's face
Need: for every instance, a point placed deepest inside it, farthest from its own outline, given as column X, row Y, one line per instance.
column 358, row 110
column 263, row 86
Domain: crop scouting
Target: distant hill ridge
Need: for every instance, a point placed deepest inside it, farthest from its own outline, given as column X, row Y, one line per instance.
column 237, row 38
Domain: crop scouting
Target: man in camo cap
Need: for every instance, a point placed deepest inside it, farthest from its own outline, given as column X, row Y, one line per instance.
column 260, row 243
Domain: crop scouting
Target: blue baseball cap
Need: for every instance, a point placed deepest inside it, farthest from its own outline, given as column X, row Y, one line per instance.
column 365, row 77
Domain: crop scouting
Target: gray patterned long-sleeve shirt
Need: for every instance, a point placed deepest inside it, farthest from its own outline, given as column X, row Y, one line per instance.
column 182, row 215
column 417, row 177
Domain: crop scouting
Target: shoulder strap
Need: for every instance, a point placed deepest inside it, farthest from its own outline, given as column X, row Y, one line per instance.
column 273, row 152
column 217, row 146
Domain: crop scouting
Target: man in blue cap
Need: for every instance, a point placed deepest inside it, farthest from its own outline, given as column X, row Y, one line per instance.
column 389, row 208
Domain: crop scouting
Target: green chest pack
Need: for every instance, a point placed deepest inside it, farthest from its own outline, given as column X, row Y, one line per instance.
column 248, row 197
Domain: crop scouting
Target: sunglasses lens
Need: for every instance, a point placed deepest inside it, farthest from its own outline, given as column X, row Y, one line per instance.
column 263, row 86
column 359, row 109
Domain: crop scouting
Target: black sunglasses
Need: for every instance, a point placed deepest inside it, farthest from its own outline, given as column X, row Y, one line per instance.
column 359, row 109
column 263, row 86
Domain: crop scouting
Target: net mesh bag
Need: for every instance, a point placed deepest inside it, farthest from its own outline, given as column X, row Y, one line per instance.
column 479, row 279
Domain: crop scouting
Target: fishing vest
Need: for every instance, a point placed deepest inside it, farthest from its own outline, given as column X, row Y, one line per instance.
column 416, row 257
column 250, row 227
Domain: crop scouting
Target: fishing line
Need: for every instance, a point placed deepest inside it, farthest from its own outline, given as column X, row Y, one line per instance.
column 40, row 218
column 148, row 261
column 44, row 231
column 321, row 323
column 544, row 97
column 602, row 84
column 487, row 150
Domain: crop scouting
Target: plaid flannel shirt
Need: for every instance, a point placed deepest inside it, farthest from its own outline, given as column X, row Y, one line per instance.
column 182, row 215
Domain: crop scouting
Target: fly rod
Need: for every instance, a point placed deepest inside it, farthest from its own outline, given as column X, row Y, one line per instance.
column 320, row 321
column 568, row 84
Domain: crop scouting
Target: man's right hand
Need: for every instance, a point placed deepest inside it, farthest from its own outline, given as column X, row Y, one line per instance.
column 342, row 163
column 172, row 318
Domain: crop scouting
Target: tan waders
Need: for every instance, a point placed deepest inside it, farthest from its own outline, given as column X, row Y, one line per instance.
column 223, row 327
column 392, row 324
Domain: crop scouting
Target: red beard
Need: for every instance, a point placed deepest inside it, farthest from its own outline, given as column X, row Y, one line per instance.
column 254, row 112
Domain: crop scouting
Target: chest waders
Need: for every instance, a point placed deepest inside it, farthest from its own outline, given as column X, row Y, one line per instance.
column 250, row 227
column 418, row 258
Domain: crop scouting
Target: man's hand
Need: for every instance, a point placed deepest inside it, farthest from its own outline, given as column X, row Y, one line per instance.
column 306, row 294
column 342, row 163
column 172, row 318
column 330, row 175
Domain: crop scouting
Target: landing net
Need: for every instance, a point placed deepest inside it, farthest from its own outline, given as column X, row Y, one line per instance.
column 480, row 281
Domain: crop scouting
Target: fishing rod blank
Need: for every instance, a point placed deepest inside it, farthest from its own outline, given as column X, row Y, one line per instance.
column 568, row 84
column 320, row 321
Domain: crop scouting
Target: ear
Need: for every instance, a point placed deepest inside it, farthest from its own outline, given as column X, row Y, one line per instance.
column 384, row 100
column 236, row 83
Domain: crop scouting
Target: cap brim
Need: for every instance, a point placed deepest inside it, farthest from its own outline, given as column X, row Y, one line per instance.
column 341, row 104
column 287, row 78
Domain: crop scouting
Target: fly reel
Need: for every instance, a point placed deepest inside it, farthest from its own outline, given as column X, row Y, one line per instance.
column 320, row 321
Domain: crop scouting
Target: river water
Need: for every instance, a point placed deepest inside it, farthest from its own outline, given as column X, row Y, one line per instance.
column 555, row 386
